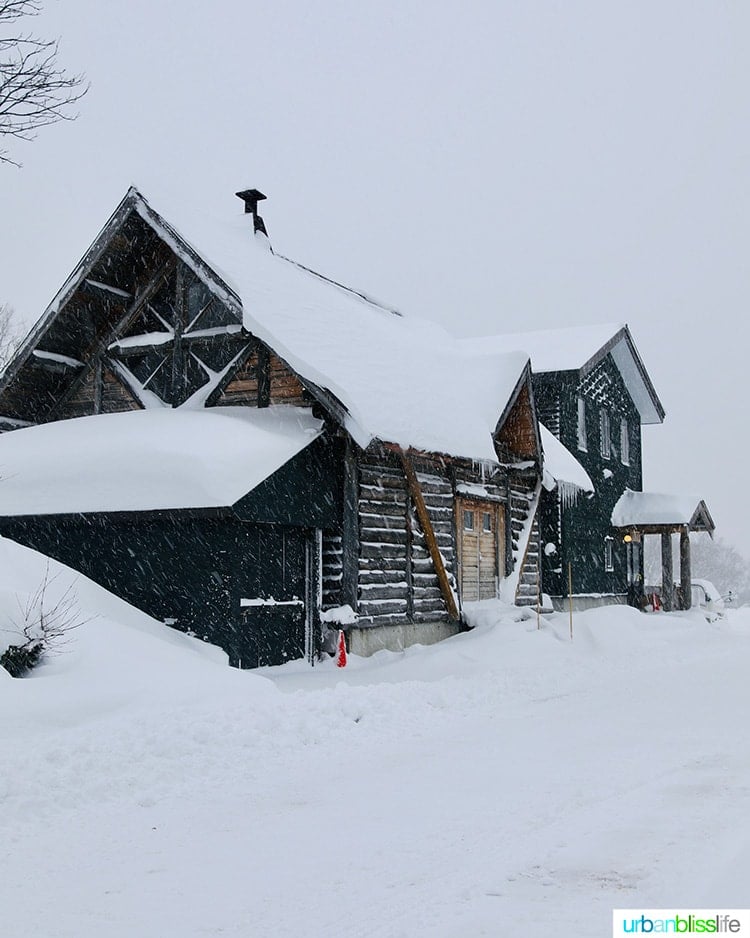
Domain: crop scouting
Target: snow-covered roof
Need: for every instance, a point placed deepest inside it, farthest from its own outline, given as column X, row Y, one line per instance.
column 401, row 379
column 580, row 348
column 560, row 465
column 567, row 349
column 148, row 459
column 653, row 509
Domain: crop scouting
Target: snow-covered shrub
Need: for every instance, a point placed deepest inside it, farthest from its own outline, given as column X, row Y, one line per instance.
column 42, row 622
column 20, row 659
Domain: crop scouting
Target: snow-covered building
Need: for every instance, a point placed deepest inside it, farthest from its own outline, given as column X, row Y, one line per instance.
column 244, row 448
column 593, row 394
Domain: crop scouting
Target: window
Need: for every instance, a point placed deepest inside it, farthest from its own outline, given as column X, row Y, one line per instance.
column 486, row 521
column 609, row 554
column 624, row 442
column 468, row 520
column 582, row 424
column 605, row 440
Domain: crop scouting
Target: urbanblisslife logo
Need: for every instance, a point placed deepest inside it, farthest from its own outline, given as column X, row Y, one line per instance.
column 727, row 922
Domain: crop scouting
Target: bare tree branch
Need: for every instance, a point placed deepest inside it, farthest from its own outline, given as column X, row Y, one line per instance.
column 34, row 91
column 42, row 626
column 10, row 334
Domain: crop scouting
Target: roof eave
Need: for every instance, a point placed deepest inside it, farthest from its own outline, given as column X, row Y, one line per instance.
column 199, row 265
column 73, row 282
column 657, row 413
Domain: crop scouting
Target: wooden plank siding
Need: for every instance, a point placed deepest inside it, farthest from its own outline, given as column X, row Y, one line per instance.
column 243, row 387
column 246, row 386
column 284, row 386
column 518, row 433
column 437, row 492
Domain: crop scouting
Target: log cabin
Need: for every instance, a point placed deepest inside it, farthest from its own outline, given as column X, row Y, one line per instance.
column 258, row 455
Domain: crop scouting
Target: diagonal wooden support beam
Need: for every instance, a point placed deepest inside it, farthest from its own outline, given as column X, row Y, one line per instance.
column 143, row 296
column 429, row 536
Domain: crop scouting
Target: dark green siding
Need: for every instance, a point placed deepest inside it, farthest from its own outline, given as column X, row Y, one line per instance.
column 578, row 530
column 306, row 491
column 192, row 569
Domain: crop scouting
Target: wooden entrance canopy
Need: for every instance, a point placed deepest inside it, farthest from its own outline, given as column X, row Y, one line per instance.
column 639, row 513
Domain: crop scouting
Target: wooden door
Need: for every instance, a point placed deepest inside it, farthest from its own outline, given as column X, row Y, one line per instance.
column 481, row 548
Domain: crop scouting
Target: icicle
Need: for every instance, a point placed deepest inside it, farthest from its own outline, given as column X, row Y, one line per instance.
column 569, row 493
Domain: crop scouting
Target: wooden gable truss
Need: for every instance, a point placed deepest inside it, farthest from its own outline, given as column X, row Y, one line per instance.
column 137, row 325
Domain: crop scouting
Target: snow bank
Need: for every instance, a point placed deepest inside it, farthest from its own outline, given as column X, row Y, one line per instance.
column 506, row 780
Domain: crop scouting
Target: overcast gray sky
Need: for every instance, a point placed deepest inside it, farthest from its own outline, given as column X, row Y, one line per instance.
column 492, row 165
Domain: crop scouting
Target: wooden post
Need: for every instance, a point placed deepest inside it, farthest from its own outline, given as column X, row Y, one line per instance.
column 98, row 386
column 429, row 536
column 685, row 572
column 570, row 597
column 264, row 375
column 538, row 611
column 180, row 323
column 667, row 573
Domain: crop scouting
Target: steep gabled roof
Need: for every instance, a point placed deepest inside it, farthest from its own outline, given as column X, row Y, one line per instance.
column 580, row 349
column 401, row 380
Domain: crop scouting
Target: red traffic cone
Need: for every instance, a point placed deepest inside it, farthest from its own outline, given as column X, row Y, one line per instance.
column 341, row 652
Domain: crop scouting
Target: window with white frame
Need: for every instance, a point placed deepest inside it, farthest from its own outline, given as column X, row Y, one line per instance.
column 604, row 435
column 582, row 424
column 609, row 554
column 624, row 442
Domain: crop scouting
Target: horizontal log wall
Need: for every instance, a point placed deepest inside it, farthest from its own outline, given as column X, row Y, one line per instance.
column 243, row 387
column 82, row 402
column 397, row 582
column 397, row 579
column 384, row 570
column 437, row 492
column 116, row 398
column 332, row 569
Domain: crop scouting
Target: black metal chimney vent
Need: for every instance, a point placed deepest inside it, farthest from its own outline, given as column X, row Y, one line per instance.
column 251, row 197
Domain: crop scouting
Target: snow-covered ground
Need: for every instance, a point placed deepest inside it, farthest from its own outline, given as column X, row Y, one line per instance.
column 505, row 782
